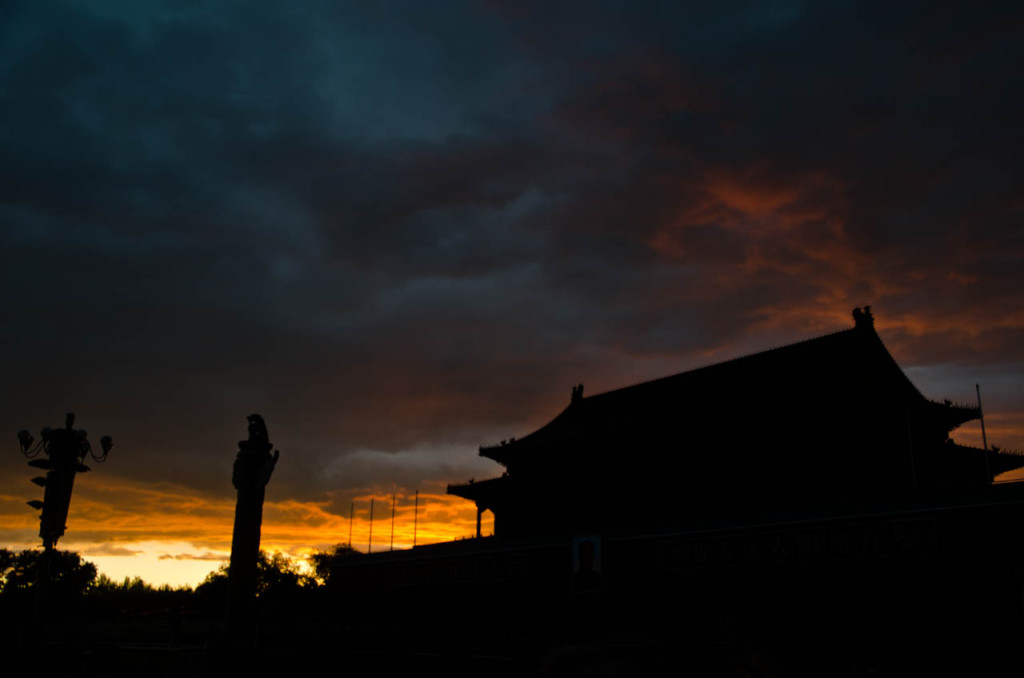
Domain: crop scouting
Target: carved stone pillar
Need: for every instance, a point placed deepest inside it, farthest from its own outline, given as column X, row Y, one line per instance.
column 253, row 468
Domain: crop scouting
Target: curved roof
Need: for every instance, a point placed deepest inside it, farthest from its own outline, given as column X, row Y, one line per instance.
column 850, row 364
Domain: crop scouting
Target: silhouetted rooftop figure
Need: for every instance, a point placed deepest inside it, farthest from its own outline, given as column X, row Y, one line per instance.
column 863, row 318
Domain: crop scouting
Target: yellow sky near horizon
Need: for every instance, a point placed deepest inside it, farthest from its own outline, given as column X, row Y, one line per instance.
column 170, row 534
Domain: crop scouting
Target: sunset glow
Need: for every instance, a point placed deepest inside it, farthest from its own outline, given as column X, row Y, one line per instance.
column 169, row 534
column 399, row 233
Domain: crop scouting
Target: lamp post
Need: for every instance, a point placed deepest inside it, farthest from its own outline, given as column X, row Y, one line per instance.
column 65, row 450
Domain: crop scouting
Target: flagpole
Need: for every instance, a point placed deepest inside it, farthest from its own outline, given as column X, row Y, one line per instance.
column 984, row 439
column 369, row 546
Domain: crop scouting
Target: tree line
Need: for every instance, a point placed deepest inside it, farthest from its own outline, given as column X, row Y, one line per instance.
column 71, row 577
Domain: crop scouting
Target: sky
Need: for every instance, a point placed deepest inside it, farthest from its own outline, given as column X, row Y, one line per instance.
column 402, row 230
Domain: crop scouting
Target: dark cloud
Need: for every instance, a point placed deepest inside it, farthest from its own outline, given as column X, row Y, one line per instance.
column 401, row 230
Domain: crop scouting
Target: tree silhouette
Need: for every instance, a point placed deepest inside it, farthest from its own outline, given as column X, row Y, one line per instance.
column 322, row 561
column 276, row 577
column 69, row 575
column 109, row 599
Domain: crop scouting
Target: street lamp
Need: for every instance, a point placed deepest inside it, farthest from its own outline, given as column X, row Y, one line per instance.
column 65, row 449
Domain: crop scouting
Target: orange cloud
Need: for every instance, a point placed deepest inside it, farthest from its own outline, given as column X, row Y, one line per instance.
column 112, row 517
column 784, row 222
column 750, row 199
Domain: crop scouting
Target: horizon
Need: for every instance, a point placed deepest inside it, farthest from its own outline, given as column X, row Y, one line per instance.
column 180, row 562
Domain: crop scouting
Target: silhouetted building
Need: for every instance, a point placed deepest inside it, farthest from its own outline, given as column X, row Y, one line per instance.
column 806, row 500
column 825, row 423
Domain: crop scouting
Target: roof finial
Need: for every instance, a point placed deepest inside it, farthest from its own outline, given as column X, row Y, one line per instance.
column 863, row 318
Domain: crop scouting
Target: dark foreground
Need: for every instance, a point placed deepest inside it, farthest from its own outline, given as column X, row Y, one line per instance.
column 927, row 585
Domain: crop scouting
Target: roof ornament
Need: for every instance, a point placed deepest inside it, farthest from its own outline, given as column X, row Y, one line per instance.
column 863, row 318
column 577, row 394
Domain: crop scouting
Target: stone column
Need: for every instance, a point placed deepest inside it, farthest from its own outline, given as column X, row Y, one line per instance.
column 253, row 468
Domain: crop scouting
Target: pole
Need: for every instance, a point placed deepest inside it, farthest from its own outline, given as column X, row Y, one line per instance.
column 351, row 516
column 66, row 449
column 42, row 581
column 981, row 414
column 415, row 516
column 984, row 439
column 369, row 546
column 392, row 546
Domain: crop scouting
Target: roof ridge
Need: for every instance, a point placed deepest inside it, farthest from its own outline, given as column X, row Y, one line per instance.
column 705, row 366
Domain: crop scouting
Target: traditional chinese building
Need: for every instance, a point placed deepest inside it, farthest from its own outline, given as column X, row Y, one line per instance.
column 826, row 423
